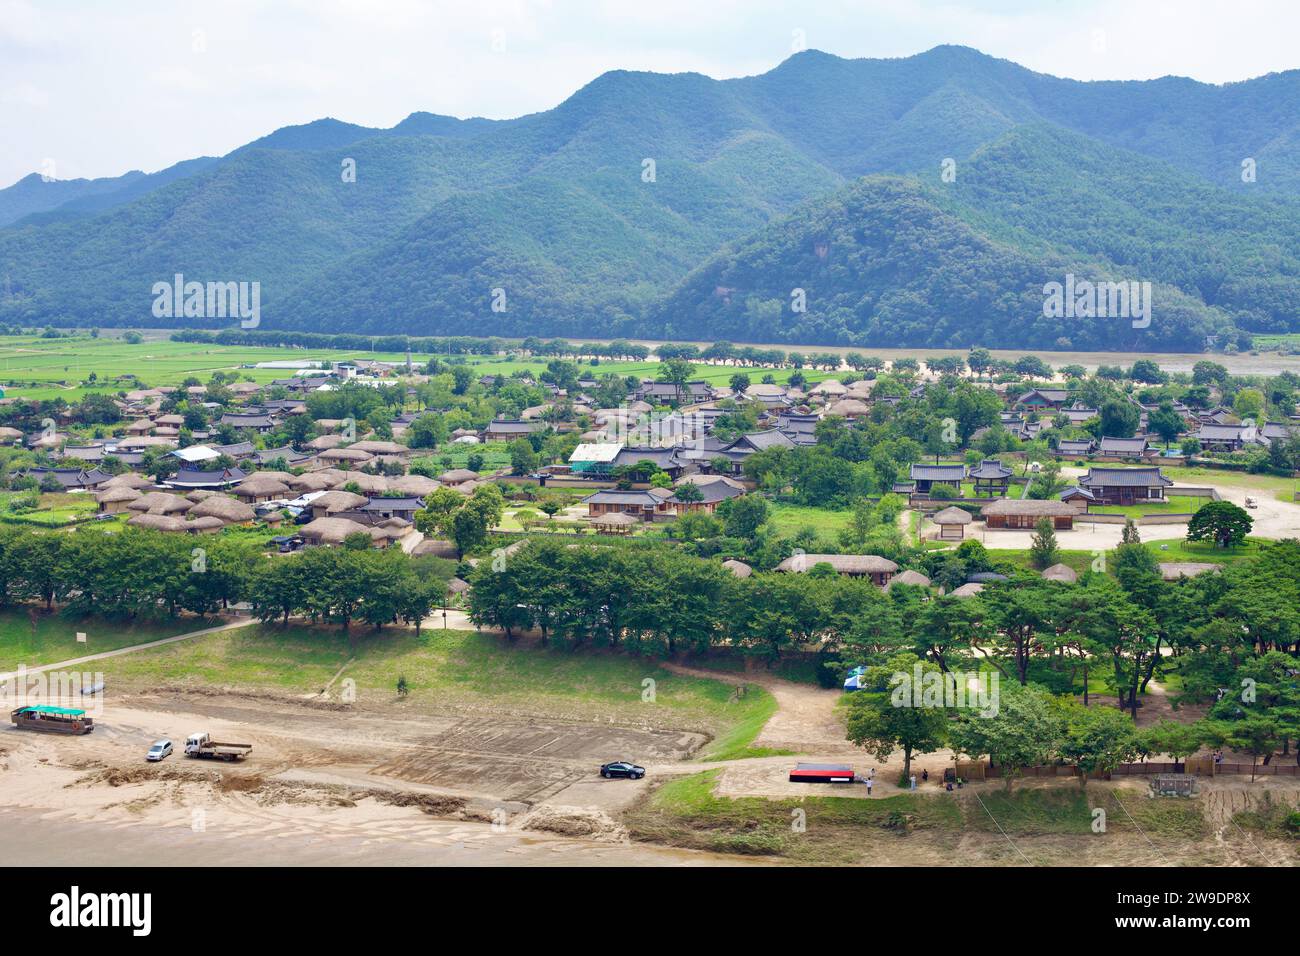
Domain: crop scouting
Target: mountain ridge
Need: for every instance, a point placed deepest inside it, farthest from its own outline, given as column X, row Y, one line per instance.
column 666, row 172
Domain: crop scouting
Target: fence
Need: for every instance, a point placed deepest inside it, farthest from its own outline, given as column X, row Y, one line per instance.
column 1260, row 770
column 1199, row 766
column 1192, row 491
column 1087, row 518
column 1177, row 518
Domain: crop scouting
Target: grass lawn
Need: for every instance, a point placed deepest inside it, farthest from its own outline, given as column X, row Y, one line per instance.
column 1281, row 488
column 1173, row 504
column 446, row 667
column 1180, row 549
column 684, row 812
column 30, row 637
column 1080, row 561
column 735, row 743
column 787, row 519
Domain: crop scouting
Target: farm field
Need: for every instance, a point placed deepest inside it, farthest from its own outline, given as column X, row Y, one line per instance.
column 495, row 454
column 38, row 368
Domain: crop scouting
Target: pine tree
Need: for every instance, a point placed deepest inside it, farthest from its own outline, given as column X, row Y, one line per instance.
column 1130, row 533
column 1043, row 549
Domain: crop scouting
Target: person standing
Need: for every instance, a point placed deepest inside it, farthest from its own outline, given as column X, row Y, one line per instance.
column 869, row 782
column 912, row 781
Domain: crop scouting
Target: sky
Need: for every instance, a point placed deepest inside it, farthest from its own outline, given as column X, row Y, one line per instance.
column 93, row 89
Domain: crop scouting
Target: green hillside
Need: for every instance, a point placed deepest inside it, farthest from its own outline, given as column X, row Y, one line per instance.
column 1134, row 180
column 959, row 263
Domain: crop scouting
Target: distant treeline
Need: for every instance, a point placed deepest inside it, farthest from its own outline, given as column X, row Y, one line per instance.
column 620, row 349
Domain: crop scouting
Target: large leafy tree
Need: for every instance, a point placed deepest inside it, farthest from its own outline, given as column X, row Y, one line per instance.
column 878, row 723
column 1221, row 522
column 1097, row 739
column 1022, row 732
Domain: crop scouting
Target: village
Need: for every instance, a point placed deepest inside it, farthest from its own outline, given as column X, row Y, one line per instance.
column 787, row 537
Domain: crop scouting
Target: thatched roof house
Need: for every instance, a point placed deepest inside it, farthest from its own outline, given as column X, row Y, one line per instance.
column 879, row 569
column 370, row 484
column 616, row 522
column 1061, row 572
column 1025, row 513
column 377, row 447
column 312, row 481
column 225, row 509
column 437, row 547
column 259, row 487
column 334, row 501
column 967, row 590
column 158, row 522
column 325, row 442
column 129, row 479
column 831, row 387
column 914, row 578
column 330, row 530
column 849, row 408
column 205, row 524
column 457, row 476
column 284, row 477
column 739, row 568
column 350, row 455
column 114, row 500
column 389, row 530
column 418, row 485
column 161, row 503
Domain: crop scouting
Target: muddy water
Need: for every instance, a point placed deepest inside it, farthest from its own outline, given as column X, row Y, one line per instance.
column 32, row 838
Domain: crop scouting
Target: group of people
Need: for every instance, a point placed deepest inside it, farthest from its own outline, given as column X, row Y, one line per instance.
column 949, row 782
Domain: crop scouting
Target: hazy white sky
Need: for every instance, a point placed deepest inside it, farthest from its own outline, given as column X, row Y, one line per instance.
column 104, row 87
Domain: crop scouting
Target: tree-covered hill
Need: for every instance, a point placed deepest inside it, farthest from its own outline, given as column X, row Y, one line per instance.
column 1137, row 180
column 955, row 263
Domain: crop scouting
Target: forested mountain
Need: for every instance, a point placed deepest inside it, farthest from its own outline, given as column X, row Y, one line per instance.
column 631, row 208
column 960, row 263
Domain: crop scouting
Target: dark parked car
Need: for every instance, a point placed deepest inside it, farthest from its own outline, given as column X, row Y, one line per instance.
column 621, row 768
column 287, row 543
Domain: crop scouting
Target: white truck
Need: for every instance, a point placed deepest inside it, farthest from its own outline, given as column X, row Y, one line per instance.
column 202, row 745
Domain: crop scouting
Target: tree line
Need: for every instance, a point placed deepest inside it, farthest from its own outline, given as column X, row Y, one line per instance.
column 141, row 573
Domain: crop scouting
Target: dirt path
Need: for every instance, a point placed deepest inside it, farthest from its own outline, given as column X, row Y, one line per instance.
column 805, row 721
